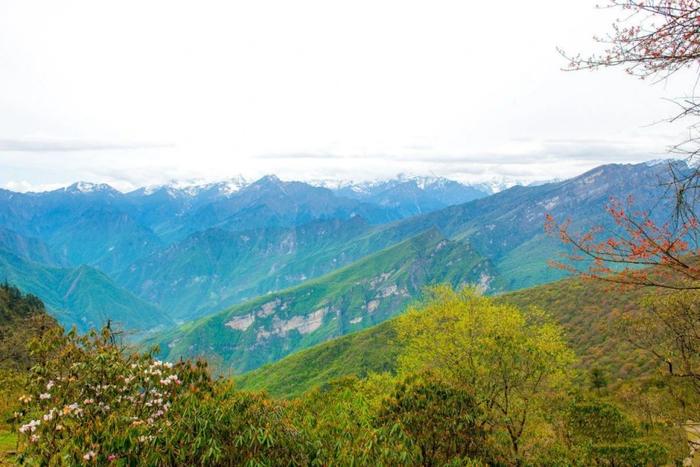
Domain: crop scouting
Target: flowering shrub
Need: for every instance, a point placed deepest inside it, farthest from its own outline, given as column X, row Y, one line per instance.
column 89, row 401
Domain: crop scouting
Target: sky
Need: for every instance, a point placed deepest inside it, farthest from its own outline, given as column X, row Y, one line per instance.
column 136, row 93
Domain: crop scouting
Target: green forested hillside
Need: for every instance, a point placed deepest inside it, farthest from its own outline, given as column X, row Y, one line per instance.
column 585, row 309
column 81, row 296
column 360, row 295
column 22, row 317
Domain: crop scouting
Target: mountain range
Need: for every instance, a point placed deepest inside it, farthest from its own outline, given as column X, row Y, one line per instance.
column 247, row 273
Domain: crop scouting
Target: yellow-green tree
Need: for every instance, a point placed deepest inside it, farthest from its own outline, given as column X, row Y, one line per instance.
column 515, row 363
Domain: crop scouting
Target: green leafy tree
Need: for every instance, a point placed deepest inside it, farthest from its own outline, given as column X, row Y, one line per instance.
column 513, row 362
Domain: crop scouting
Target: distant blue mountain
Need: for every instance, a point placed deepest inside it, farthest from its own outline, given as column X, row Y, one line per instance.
column 191, row 250
column 415, row 195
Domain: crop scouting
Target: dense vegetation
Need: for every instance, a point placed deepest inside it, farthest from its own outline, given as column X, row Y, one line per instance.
column 22, row 318
column 587, row 312
column 466, row 391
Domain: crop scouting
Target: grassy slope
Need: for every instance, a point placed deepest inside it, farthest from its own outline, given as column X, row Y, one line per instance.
column 327, row 361
column 362, row 294
column 585, row 310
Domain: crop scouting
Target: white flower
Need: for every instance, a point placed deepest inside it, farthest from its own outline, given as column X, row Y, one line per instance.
column 49, row 385
column 34, row 438
column 170, row 379
column 88, row 401
column 89, row 455
column 30, row 427
column 44, row 396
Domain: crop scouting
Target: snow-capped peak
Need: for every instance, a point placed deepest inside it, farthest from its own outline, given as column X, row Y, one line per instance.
column 87, row 187
column 655, row 162
column 429, row 182
column 193, row 188
column 226, row 187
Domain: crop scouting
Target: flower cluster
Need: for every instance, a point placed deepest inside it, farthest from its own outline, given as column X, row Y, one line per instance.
column 87, row 397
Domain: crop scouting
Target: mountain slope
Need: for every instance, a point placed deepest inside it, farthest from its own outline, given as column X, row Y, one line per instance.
column 82, row 296
column 105, row 238
column 29, row 248
column 22, row 317
column 216, row 268
column 372, row 350
column 508, row 227
column 364, row 293
column 84, row 223
column 585, row 309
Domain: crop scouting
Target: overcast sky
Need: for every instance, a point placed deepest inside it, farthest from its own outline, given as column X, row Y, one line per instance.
column 141, row 92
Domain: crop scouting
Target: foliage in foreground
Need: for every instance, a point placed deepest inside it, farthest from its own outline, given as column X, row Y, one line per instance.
column 478, row 383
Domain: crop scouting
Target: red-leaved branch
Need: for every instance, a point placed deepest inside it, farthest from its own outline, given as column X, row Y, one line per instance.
column 636, row 252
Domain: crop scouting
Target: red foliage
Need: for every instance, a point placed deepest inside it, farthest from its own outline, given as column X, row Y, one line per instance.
column 637, row 252
column 654, row 37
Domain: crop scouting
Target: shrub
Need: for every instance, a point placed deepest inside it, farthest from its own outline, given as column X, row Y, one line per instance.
column 441, row 420
column 90, row 401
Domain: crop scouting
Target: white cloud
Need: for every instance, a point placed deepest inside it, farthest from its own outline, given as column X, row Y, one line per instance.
column 24, row 186
column 312, row 89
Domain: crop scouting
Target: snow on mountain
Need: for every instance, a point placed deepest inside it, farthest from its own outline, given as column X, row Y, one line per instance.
column 193, row 188
column 87, row 187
